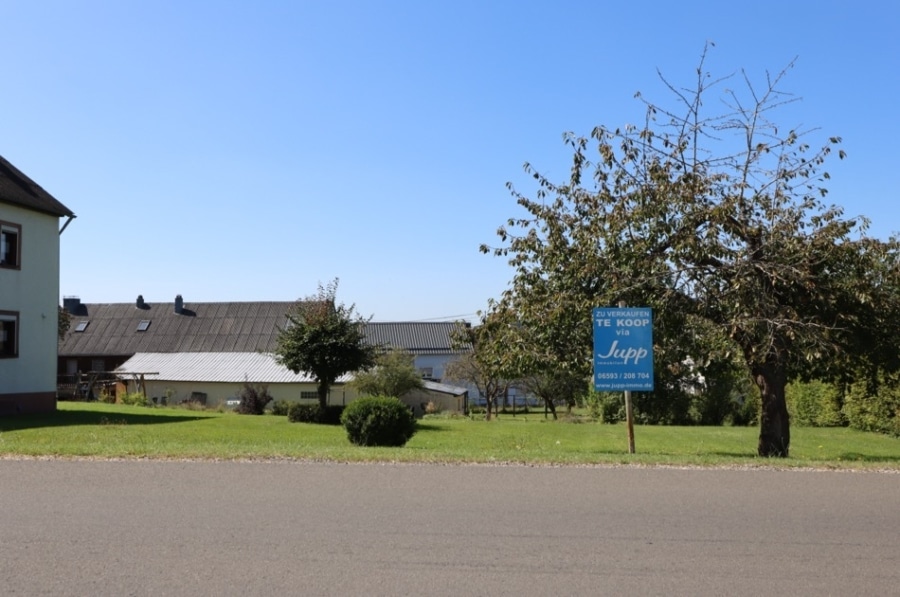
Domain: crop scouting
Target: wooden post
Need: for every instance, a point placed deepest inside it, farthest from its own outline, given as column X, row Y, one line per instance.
column 629, row 412
column 629, row 419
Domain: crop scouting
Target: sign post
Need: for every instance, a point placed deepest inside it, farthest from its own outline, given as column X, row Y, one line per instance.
column 623, row 354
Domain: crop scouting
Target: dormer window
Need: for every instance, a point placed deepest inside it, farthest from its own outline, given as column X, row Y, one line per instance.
column 10, row 237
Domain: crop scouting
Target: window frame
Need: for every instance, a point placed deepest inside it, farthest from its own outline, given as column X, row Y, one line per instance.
column 13, row 352
column 16, row 230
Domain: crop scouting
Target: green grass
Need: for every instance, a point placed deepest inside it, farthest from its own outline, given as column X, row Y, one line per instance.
column 116, row 431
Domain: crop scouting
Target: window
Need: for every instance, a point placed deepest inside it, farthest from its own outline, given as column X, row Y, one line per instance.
column 9, row 334
column 309, row 395
column 82, row 325
column 143, row 325
column 10, row 237
column 426, row 372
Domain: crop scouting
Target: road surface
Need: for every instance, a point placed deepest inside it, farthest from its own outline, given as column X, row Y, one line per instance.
column 294, row 528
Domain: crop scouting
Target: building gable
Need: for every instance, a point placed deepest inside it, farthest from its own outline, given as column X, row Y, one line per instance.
column 17, row 189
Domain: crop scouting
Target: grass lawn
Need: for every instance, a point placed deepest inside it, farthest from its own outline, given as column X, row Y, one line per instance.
column 114, row 431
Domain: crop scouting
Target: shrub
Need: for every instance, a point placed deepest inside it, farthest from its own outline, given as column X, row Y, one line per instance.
column 814, row 404
column 106, row 397
column 747, row 411
column 281, row 407
column 607, row 407
column 135, row 399
column 874, row 406
column 299, row 412
column 254, row 399
column 378, row 421
column 303, row 413
column 332, row 414
column 721, row 399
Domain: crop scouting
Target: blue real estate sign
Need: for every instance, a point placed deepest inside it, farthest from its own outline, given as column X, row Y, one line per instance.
column 623, row 349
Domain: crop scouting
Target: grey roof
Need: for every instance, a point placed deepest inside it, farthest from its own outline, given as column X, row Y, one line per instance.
column 443, row 388
column 415, row 337
column 18, row 189
column 112, row 329
column 223, row 367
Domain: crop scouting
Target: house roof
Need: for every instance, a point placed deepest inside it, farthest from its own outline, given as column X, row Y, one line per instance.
column 222, row 367
column 419, row 338
column 113, row 329
column 443, row 388
column 18, row 189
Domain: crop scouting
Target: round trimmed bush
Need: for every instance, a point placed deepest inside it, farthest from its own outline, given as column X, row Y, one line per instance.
column 378, row 421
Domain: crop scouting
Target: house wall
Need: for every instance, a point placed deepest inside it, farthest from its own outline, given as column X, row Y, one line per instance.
column 217, row 393
column 437, row 362
column 28, row 381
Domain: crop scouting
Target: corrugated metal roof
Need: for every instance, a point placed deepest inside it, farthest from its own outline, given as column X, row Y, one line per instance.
column 218, row 327
column 416, row 337
column 224, row 367
column 17, row 189
column 200, row 327
column 444, row 388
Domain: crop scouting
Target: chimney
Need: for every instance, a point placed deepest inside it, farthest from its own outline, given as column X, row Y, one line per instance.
column 139, row 303
column 72, row 304
column 179, row 304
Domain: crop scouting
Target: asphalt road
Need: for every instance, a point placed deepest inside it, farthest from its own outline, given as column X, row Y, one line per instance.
column 291, row 528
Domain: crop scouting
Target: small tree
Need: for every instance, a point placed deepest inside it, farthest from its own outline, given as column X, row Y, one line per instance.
column 393, row 375
column 325, row 339
column 254, row 399
column 562, row 386
column 63, row 322
column 484, row 367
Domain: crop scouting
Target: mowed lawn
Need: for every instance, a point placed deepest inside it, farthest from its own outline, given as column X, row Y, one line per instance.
column 115, row 431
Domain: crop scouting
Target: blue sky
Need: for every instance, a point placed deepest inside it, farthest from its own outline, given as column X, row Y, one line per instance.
column 239, row 151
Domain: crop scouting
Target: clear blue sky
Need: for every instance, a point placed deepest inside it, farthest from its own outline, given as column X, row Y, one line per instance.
column 238, row 151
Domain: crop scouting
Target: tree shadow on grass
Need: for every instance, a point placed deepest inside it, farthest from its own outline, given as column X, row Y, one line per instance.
column 68, row 418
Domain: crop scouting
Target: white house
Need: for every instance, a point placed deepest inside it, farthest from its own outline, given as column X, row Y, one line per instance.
column 29, row 292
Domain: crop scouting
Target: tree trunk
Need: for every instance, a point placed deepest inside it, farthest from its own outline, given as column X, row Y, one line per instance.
column 774, row 426
column 322, row 390
column 549, row 406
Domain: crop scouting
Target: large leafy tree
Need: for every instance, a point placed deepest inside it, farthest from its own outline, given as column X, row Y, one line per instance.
column 324, row 338
column 713, row 219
